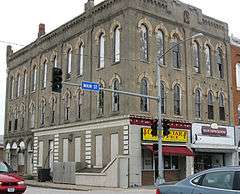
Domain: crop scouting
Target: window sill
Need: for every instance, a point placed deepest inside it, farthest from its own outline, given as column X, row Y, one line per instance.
column 99, row 115
column 177, row 69
column 142, row 61
column 99, row 68
column 116, row 63
column 115, row 113
column 66, row 121
column 79, row 76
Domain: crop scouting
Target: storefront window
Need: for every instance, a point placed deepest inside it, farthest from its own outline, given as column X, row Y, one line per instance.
column 147, row 160
column 170, row 162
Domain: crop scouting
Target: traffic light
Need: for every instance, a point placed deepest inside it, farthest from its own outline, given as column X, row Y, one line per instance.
column 166, row 127
column 57, row 80
column 154, row 127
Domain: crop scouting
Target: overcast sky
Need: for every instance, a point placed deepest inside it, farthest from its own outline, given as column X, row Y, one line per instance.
column 19, row 21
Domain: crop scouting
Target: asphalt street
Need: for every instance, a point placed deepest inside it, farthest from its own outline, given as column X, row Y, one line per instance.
column 37, row 190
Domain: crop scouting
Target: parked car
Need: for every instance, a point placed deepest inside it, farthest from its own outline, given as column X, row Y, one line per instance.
column 225, row 180
column 10, row 182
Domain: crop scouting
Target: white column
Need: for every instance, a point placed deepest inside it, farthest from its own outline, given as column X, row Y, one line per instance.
column 65, row 150
column 99, row 151
column 78, row 149
column 189, row 165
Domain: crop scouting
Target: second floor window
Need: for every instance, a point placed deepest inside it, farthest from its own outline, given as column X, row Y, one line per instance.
column 144, row 41
column 196, row 57
column 210, row 106
column 11, row 88
column 69, row 63
column 221, row 107
column 44, row 75
column 79, row 104
column 177, row 100
column 24, row 82
column 67, row 105
column 34, row 78
column 100, row 102
column 117, row 44
column 198, row 104
column 80, row 60
column 53, row 107
column 18, row 86
column 220, row 63
column 101, row 51
column 144, row 100
column 176, row 54
column 238, row 75
column 115, row 96
column 163, row 99
column 43, row 110
column 32, row 116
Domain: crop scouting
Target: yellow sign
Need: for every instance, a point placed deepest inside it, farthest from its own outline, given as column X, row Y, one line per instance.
column 180, row 136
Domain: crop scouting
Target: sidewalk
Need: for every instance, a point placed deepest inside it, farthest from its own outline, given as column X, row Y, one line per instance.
column 51, row 185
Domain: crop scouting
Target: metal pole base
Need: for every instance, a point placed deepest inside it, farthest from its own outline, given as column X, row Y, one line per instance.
column 160, row 181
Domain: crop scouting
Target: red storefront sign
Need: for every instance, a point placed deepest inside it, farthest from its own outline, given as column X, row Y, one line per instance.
column 220, row 132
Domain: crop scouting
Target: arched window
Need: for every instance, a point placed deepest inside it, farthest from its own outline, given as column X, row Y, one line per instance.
column 34, row 78
column 55, row 62
column 115, row 96
column 16, row 119
column 101, row 59
column 117, row 44
column 220, row 62
column 80, row 59
column 144, row 40
column 196, row 56
column 144, row 90
column 100, row 101
column 79, row 104
column 22, row 116
column 69, row 63
column 238, row 75
column 198, row 104
column 44, row 75
column 24, row 82
column 11, row 88
column 43, row 111
column 177, row 100
column 163, row 98
column 32, row 116
column 210, row 106
column 238, row 115
column 18, row 86
column 160, row 47
column 67, row 105
column 53, row 109
column 208, row 61
column 176, row 54
column 221, row 107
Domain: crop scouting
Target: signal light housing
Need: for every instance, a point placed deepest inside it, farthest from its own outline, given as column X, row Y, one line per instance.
column 57, row 79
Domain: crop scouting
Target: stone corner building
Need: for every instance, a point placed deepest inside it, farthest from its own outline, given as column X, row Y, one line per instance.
column 118, row 43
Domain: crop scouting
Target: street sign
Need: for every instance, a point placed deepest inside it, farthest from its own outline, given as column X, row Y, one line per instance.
column 90, row 86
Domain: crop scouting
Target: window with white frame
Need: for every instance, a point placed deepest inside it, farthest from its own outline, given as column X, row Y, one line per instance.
column 160, row 47
column 11, row 88
column 117, row 44
column 144, row 41
column 238, row 75
column 196, row 56
column 69, row 63
column 143, row 100
column 115, row 96
column 208, row 59
column 44, row 75
column 198, row 104
column 177, row 100
column 221, row 107
column 176, row 52
column 101, row 59
column 210, row 106
column 80, row 59
column 34, row 78
column 18, row 85
column 219, row 59
column 24, row 82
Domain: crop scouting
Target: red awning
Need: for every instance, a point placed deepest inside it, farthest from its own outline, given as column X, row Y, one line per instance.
column 173, row 150
column 177, row 150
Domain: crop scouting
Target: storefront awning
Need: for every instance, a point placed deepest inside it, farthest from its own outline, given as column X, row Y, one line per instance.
column 173, row 150
column 177, row 150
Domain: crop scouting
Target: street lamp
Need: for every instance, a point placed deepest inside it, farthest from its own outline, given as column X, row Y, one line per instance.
column 160, row 179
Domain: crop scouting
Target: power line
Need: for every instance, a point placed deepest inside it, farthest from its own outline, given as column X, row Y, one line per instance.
column 12, row 43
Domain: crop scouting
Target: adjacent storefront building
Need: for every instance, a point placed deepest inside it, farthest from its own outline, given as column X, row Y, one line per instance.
column 214, row 146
